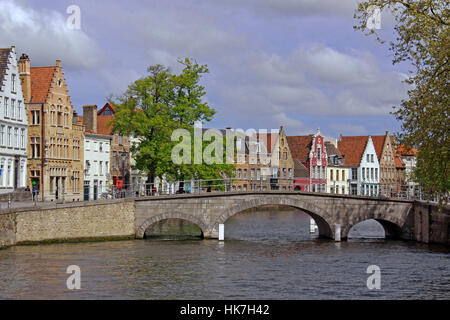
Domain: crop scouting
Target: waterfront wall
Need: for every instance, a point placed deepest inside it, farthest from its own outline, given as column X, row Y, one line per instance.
column 75, row 221
column 431, row 223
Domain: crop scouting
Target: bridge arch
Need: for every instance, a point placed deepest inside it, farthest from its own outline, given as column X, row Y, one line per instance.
column 321, row 217
column 140, row 232
column 392, row 225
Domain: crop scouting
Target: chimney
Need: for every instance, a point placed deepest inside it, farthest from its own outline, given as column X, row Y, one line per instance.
column 25, row 77
column 90, row 118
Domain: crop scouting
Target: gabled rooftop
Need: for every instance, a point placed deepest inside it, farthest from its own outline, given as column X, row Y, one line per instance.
column 352, row 148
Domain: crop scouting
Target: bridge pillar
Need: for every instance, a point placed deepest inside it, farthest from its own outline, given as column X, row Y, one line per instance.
column 221, row 232
column 337, row 232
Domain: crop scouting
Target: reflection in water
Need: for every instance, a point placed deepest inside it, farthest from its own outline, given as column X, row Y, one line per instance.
column 267, row 255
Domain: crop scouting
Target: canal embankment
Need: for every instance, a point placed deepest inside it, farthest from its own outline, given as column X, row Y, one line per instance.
column 112, row 219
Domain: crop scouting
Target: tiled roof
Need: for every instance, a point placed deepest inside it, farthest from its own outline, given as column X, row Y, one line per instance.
column 300, row 147
column 104, row 125
column 4, row 55
column 41, row 80
column 404, row 151
column 352, row 148
column 378, row 143
column 300, row 171
column 398, row 161
column 331, row 149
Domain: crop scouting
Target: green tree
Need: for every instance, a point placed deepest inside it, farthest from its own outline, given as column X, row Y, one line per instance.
column 156, row 105
column 423, row 39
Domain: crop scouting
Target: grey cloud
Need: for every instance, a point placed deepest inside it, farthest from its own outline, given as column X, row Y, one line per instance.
column 45, row 37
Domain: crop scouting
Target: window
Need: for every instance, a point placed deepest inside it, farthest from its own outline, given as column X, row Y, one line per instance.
column 76, row 149
column 6, row 103
column 107, row 167
column 245, row 173
column 319, row 153
column 60, row 117
column 343, row 190
column 114, row 163
column 35, row 114
column 368, row 158
column 363, row 173
column 331, row 174
column 258, row 174
column 120, row 140
column 290, row 173
column 354, row 173
column 100, row 167
column 19, row 110
column 376, row 173
column 76, row 181
column 16, row 143
column 9, row 137
column 371, row 173
column 13, row 108
column 35, row 148
column 252, row 174
column 66, row 148
column 285, row 155
column 13, row 83
column 101, row 147
column 2, row 135
column 284, row 173
column 372, row 158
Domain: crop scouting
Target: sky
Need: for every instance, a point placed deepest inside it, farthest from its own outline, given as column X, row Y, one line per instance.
column 292, row 63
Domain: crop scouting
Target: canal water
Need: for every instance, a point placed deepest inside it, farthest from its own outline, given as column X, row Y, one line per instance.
column 269, row 254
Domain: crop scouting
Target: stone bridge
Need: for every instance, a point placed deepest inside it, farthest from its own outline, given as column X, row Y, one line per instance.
column 334, row 214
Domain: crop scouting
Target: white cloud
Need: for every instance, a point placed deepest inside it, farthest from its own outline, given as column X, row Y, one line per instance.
column 44, row 36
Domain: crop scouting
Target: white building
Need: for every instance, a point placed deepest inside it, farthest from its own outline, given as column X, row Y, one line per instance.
column 97, row 155
column 138, row 178
column 13, row 125
column 337, row 171
column 409, row 158
column 360, row 156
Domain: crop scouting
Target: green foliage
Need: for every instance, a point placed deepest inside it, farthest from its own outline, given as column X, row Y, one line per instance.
column 156, row 105
column 423, row 39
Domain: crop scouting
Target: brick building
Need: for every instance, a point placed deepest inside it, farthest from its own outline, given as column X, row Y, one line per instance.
column 309, row 152
column 55, row 140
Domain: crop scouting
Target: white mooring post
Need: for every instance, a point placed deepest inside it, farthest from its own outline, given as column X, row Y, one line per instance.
column 221, row 232
column 337, row 232
column 312, row 226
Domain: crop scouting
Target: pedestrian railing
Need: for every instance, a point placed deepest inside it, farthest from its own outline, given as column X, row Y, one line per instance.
column 104, row 192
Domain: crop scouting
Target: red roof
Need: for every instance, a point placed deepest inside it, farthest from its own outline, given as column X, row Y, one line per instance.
column 41, row 80
column 398, row 161
column 300, row 147
column 107, row 106
column 405, row 151
column 378, row 143
column 104, row 125
column 353, row 149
